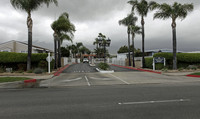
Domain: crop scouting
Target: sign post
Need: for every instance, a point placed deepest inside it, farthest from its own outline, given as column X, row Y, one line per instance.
column 49, row 59
column 158, row 60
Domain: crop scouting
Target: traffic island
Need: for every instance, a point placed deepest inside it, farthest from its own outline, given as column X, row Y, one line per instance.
column 104, row 71
column 138, row 69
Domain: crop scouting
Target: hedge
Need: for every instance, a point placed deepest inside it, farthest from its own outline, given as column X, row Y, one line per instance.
column 149, row 62
column 18, row 61
column 6, row 57
column 183, row 59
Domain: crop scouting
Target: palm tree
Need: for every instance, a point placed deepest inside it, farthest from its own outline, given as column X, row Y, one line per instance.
column 142, row 9
column 174, row 12
column 96, row 42
column 73, row 49
column 134, row 30
column 128, row 21
column 30, row 6
column 63, row 30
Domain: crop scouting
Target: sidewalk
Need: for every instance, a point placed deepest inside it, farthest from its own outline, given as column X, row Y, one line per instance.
column 34, row 81
column 176, row 73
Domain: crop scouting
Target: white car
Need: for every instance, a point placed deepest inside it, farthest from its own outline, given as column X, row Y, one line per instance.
column 85, row 60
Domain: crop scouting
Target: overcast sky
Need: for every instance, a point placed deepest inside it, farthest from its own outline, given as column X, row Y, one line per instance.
column 92, row 17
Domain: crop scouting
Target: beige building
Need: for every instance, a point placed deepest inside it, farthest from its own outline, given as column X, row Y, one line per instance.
column 21, row 47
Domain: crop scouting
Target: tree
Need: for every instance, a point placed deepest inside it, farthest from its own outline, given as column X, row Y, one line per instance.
column 123, row 49
column 63, row 30
column 64, row 52
column 134, row 30
column 128, row 21
column 142, row 9
column 174, row 12
column 29, row 6
column 96, row 42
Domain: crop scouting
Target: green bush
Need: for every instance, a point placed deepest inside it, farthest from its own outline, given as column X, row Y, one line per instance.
column 43, row 64
column 149, row 64
column 10, row 57
column 21, row 66
column 183, row 59
column 30, row 71
column 103, row 66
column 18, row 61
column 1, row 69
column 38, row 71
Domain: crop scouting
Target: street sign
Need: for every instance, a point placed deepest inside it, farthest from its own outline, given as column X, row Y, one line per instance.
column 159, row 59
column 49, row 59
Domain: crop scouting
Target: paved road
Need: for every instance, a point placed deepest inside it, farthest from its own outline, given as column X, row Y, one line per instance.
column 84, row 75
column 80, row 68
column 152, row 101
column 119, row 69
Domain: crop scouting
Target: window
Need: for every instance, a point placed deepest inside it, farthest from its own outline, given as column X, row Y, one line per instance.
column 24, row 51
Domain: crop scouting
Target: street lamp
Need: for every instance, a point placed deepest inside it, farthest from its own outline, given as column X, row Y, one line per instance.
column 105, row 43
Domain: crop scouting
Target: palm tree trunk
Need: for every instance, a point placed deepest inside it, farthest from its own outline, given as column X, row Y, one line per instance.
column 133, row 55
column 55, row 50
column 59, row 54
column 30, row 26
column 174, row 46
column 143, row 36
column 129, row 57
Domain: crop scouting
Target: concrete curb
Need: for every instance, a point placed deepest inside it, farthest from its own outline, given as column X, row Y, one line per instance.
column 61, row 70
column 138, row 69
column 32, row 83
column 103, row 71
column 92, row 65
column 197, row 76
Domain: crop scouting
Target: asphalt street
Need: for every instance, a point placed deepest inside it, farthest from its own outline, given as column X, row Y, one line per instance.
column 82, row 93
column 143, row 101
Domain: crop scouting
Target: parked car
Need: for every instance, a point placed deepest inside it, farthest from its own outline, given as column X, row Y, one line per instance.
column 85, row 60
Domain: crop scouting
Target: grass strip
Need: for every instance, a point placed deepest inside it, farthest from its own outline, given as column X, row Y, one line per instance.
column 198, row 73
column 12, row 79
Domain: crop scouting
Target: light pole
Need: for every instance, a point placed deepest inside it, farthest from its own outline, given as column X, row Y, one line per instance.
column 104, row 43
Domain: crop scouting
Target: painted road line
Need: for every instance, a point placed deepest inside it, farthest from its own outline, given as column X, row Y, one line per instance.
column 119, row 79
column 152, row 102
column 87, row 81
column 72, row 80
column 104, row 79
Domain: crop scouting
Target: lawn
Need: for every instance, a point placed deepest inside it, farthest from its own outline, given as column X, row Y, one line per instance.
column 12, row 79
column 198, row 73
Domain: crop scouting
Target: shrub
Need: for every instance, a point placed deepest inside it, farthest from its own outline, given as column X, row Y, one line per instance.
column 30, row 71
column 17, row 61
column 21, row 66
column 10, row 57
column 183, row 59
column 1, row 69
column 43, row 64
column 38, row 71
column 103, row 66
column 165, row 69
column 149, row 62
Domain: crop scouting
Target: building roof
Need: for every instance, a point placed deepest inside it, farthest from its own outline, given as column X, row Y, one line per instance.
column 34, row 46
